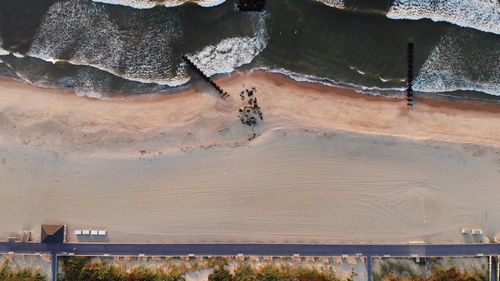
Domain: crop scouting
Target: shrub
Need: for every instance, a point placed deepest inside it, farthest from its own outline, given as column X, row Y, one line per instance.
column 72, row 267
column 220, row 274
column 7, row 273
column 306, row 274
column 399, row 272
column 245, row 272
column 273, row 273
column 82, row 269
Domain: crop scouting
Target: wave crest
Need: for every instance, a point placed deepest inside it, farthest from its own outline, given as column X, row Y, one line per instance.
column 483, row 15
column 2, row 51
column 339, row 4
column 148, row 4
column 231, row 53
column 464, row 60
column 82, row 33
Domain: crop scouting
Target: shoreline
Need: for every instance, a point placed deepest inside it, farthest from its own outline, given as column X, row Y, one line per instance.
column 433, row 118
column 428, row 98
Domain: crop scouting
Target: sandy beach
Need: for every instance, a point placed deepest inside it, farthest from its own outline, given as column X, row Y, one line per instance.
column 327, row 165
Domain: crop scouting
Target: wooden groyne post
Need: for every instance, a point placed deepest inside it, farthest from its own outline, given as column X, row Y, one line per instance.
column 221, row 92
column 409, row 78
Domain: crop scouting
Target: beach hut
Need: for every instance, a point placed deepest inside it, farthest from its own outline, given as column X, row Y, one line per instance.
column 466, row 231
column 85, row 232
column 94, row 232
column 102, row 233
column 53, row 233
column 78, row 232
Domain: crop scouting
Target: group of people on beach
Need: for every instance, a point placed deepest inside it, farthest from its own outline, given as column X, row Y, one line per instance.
column 250, row 110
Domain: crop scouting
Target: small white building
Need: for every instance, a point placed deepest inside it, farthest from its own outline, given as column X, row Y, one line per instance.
column 466, row 231
column 91, row 232
column 477, row 231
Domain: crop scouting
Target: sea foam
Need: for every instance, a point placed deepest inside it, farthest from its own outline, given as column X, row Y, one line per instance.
column 81, row 33
column 464, row 60
column 232, row 52
column 148, row 4
column 2, row 51
column 483, row 15
column 339, row 4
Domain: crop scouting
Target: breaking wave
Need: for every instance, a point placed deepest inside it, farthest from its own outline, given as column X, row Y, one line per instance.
column 483, row 15
column 233, row 52
column 82, row 33
column 148, row 4
column 463, row 60
column 2, row 51
column 339, row 4
column 144, row 48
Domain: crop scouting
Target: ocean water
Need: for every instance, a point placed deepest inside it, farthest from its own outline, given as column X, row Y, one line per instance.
column 462, row 60
column 2, row 51
column 100, row 47
column 148, row 4
column 479, row 14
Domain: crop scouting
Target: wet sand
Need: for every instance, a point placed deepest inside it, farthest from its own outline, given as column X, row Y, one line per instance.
column 328, row 165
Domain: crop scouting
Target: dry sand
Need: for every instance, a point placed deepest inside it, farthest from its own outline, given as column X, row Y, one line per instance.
column 328, row 165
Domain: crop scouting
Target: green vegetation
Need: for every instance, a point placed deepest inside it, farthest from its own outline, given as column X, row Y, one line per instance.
column 245, row 272
column 220, row 274
column 7, row 273
column 84, row 269
column 270, row 272
column 396, row 271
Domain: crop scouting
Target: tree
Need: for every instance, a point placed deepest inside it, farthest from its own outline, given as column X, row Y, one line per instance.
column 272, row 273
column 245, row 272
column 101, row 272
column 7, row 273
column 306, row 274
column 72, row 267
column 220, row 274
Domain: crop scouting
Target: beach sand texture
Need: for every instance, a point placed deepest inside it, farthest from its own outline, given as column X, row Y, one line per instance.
column 327, row 166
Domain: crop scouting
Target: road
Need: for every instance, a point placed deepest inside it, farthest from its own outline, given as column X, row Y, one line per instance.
column 255, row 249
